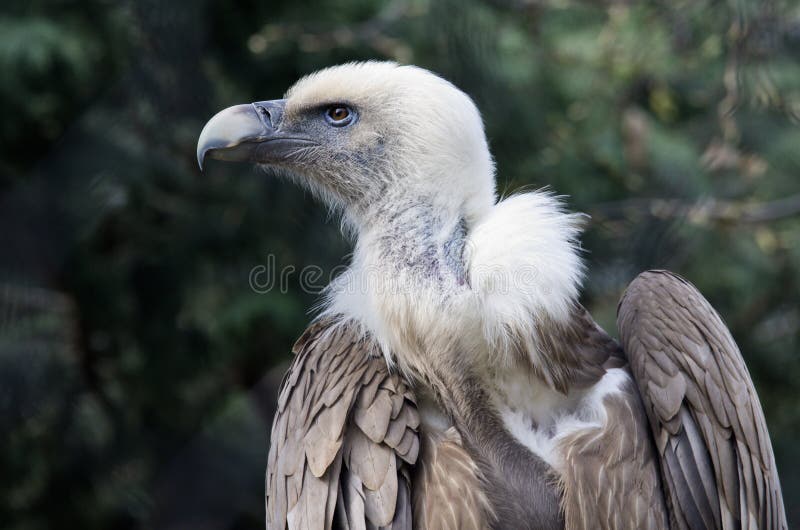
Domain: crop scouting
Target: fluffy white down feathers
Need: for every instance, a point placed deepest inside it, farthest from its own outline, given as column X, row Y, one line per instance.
column 524, row 264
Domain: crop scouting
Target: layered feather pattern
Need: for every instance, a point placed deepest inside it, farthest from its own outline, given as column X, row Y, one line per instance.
column 343, row 438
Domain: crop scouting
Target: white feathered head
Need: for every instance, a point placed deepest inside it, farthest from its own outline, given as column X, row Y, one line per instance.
column 363, row 134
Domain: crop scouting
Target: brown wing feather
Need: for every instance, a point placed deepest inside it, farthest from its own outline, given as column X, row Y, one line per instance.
column 343, row 438
column 716, row 458
column 448, row 486
column 610, row 477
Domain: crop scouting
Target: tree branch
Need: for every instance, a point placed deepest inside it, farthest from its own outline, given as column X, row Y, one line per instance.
column 701, row 212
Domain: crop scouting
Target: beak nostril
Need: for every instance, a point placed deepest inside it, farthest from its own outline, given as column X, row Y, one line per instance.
column 270, row 112
column 266, row 114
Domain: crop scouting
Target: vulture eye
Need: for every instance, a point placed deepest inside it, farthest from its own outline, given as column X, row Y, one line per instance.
column 339, row 115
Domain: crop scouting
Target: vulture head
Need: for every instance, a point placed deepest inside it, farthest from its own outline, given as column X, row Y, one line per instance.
column 364, row 136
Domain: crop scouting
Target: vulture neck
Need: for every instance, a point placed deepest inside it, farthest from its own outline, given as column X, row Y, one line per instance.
column 418, row 241
column 407, row 286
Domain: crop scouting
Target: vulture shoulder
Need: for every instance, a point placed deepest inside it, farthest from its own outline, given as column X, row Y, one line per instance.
column 717, row 464
column 343, row 438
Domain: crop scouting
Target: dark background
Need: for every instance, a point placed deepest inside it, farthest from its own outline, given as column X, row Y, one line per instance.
column 137, row 366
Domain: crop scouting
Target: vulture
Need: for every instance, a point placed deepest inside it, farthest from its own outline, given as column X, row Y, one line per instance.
column 452, row 380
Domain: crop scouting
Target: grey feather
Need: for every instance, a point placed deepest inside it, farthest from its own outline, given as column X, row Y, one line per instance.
column 380, row 502
column 448, row 486
column 368, row 460
column 718, row 466
column 329, row 461
column 610, row 477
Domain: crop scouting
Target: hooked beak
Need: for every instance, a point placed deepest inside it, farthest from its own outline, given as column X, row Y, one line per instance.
column 249, row 133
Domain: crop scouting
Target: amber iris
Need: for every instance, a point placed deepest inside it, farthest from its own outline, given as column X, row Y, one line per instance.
column 338, row 113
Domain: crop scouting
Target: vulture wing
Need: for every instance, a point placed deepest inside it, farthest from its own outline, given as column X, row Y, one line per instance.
column 343, row 439
column 716, row 460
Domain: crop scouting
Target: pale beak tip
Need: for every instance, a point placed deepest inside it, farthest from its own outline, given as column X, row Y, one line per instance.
column 201, row 155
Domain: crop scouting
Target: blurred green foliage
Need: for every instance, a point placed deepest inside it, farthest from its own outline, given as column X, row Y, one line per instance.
column 138, row 369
